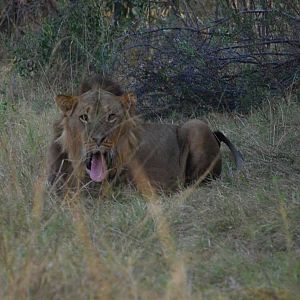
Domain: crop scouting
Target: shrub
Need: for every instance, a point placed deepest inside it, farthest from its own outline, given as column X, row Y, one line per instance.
column 171, row 58
column 232, row 63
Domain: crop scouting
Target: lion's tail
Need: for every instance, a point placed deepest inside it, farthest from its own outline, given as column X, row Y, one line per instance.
column 238, row 157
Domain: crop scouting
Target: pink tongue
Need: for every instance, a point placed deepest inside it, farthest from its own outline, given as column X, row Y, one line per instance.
column 98, row 168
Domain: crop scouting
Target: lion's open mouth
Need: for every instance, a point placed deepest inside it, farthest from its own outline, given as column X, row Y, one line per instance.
column 96, row 166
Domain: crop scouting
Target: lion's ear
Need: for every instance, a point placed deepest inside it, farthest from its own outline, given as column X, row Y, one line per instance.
column 129, row 101
column 66, row 103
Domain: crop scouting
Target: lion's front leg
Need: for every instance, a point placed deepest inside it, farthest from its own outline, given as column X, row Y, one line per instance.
column 141, row 180
column 58, row 166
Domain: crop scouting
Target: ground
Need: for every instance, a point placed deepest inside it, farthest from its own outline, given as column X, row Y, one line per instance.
column 235, row 238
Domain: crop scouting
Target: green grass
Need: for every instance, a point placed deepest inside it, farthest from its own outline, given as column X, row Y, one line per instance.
column 236, row 238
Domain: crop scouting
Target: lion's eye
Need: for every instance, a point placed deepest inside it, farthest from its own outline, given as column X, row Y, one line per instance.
column 84, row 118
column 112, row 118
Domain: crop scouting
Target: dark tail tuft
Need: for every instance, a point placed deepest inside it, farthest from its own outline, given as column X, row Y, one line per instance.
column 238, row 157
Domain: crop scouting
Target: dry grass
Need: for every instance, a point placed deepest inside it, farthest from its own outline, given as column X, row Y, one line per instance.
column 236, row 238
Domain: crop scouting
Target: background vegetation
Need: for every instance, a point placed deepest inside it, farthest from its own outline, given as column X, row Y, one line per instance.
column 214, row 54
column 237, row 63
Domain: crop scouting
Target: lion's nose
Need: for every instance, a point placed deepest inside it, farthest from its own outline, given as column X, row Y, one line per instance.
column 99, row 140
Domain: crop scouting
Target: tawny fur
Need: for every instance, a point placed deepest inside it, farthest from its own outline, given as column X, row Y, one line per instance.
column 147, row 155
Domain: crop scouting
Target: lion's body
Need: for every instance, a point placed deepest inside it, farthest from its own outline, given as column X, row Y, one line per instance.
column 172, row 155
column 159, row 155
column 99, row 135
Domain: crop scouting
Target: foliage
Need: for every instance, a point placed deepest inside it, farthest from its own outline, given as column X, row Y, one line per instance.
column 81, row 34
column 234, row 62
column 171, row 57
column 235, row 238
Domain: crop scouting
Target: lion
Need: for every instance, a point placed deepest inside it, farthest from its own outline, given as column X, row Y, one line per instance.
column 100, row 139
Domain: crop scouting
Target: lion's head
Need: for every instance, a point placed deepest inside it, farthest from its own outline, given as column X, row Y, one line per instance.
column 92, row 126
